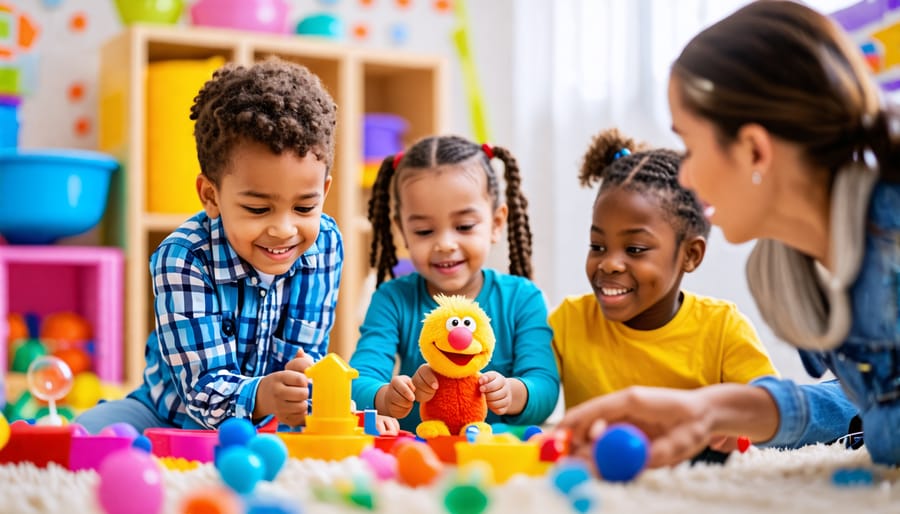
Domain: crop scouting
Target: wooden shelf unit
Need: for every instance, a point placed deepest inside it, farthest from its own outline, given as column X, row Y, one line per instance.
column 360, row 80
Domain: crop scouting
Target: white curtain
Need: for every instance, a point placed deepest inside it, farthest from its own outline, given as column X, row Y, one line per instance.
column 584, row 65
column 581, row 66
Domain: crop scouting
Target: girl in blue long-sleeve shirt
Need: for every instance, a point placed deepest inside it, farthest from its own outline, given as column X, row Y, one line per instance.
column 447, row 208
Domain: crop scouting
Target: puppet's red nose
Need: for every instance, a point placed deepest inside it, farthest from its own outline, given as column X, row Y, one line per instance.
column 460, row 338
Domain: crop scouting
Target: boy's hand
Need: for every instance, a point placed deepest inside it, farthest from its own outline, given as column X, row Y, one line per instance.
column 497, row 390
column 397, row 397
column 300, row 362
column 425, row 383
column 284, row 394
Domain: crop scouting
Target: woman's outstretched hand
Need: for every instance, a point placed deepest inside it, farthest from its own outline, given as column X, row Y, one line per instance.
column 678, row 423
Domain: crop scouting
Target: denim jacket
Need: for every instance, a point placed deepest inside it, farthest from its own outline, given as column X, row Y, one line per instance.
column 867, row 363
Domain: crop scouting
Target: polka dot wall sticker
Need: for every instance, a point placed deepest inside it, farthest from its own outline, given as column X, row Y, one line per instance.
column 403, row 3
column 328, row 2
column 78, row 22
column 366, row 3
column 51, row 4
column 361, row 31
column 399, row 33
column 443, row 6
column 83, row 126
column 76, row 92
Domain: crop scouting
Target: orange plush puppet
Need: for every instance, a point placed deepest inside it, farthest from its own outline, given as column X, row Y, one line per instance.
column 457, row 342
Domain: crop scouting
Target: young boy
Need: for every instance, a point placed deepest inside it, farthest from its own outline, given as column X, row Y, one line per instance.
column 245, row 291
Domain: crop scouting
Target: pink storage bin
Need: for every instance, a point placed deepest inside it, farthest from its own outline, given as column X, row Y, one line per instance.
column 82, row 279
column 89, row 451
column 255, row 15
column 198, row 445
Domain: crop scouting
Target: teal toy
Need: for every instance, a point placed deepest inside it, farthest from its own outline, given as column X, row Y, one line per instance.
column 322, row 25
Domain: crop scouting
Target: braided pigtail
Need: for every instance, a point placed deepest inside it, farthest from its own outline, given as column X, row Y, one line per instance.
column 384, row 254
column 518, row 224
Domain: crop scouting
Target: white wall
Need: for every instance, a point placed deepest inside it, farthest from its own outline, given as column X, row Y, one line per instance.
column 515, row 99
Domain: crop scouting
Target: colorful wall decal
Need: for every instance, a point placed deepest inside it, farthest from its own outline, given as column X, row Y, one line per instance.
column 875, row 26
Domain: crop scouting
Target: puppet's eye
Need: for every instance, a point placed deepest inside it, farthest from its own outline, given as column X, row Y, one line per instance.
column 453, row 322
column 469, row 323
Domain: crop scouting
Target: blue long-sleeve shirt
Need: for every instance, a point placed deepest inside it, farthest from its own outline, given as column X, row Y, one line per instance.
column 219, row 329
column 518, row 315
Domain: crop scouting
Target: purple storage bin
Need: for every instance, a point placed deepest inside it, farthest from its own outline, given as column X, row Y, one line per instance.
column 196, row 445
column 382, row 135
column 89, row 451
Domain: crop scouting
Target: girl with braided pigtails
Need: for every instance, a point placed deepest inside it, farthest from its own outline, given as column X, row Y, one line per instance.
column 444, row 198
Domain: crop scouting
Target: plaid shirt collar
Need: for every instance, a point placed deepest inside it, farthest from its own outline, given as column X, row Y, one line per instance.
column 229, row 267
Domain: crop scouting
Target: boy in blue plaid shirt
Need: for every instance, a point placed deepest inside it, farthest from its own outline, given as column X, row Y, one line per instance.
column 245, row 291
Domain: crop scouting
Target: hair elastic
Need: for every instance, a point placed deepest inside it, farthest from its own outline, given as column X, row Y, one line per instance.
column 397, row 158
column 621, row 153
column 488, row 150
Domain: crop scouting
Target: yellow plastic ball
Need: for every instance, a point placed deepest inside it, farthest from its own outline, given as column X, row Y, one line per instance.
column 86, row 391
column 4, row 431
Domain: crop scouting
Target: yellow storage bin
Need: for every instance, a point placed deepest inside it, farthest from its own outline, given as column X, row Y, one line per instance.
column 172, row 166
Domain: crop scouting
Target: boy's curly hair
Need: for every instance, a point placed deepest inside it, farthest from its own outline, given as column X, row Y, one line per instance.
column 649, row 171
column 277, row 103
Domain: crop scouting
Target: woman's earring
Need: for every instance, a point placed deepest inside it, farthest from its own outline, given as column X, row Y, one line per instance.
column 756, row 178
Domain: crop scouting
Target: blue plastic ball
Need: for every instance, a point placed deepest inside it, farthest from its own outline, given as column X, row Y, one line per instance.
column 142, row 442
column 273, row 452
column 847, row 477
column 499, row 428
column 569, row 473
column 270, row 505
column 621, row 452
column 582, row 500
column 236, row 432
column 472, row 433
column 531, row 431
column 240, row 468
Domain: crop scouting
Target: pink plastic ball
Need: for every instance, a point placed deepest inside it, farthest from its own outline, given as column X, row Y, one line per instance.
column 130, row 482
column 383, row 465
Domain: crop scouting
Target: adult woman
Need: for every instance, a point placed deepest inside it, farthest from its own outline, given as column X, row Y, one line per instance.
column 788, row 142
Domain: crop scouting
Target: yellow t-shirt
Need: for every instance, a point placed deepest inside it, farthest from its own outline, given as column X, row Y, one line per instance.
column 707, row 342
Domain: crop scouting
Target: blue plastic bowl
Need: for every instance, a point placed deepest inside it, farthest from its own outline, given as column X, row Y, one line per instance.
column 49, row 194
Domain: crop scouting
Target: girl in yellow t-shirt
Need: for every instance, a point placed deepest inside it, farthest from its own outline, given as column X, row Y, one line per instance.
column 639, row 327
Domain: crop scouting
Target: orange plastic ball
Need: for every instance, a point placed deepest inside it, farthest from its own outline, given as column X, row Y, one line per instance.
column 66, row 329
column 78, row 360
column 417, row 465
column 211, row 500
column 17, row 328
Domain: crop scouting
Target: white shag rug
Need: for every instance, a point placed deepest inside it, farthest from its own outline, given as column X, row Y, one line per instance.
column 759, row 481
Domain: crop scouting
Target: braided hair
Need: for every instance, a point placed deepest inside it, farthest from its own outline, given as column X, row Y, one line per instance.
column 618, row 161
column 277, row 103
column 429, row 153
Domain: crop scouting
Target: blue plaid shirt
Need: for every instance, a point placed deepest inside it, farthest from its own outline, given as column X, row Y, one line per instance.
column 219, row 330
